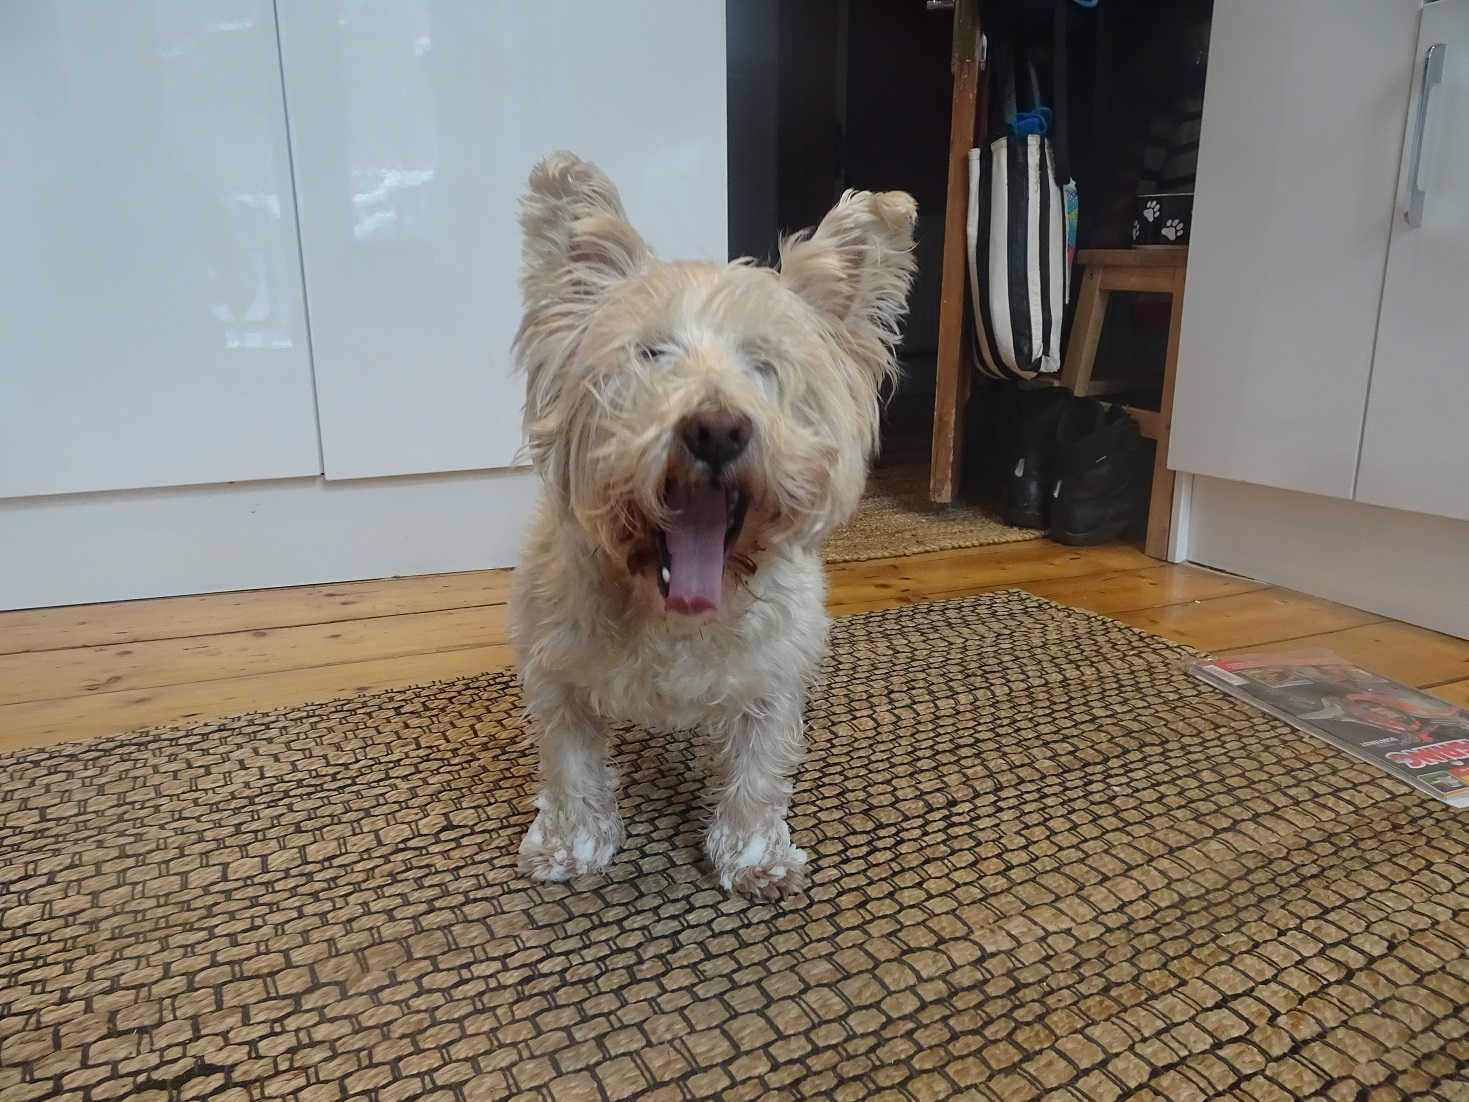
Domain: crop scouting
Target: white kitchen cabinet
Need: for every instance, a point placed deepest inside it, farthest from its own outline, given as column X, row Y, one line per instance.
column 1325, row 428
column 1298, row 167
column 152, row 330
column 1415, row 447
column 158, row 338
column 414, row 126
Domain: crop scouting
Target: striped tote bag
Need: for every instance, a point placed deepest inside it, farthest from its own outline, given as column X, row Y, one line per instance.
column 1019, row 252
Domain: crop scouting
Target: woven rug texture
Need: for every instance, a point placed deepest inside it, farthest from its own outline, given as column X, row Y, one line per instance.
column 897, row 518
column 1045, row 863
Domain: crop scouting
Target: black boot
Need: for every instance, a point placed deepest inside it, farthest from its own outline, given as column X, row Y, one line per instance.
column 1030, row 465
column 990, row 433
column 1102, row 475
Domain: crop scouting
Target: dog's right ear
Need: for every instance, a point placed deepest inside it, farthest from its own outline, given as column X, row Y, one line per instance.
column 578, row 245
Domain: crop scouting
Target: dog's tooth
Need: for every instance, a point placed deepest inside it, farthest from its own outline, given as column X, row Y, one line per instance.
column 666, row 575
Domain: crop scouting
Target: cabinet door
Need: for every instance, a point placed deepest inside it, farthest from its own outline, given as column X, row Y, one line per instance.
column 1415, row 450
column 414, row 124
column 152, row 330
column 1303, row 121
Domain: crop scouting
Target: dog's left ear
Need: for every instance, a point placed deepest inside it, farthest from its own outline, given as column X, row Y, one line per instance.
column 856, row 268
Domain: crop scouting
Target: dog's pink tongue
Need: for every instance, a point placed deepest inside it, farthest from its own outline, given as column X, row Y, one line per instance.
column 695, row 538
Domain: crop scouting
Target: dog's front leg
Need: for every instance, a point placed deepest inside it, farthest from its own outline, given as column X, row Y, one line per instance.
column 749, row 843
column 577, row 828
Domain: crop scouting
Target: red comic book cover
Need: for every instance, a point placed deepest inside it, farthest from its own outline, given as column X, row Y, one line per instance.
column 1415, row 737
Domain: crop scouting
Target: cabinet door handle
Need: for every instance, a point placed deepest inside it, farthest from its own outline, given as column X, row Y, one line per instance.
column 1433, row 61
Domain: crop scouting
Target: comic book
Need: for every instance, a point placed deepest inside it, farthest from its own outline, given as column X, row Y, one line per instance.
column 1417, row 738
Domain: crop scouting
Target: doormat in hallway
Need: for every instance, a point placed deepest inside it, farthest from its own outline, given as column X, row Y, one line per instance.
column 1045, row 863
column 897, row 518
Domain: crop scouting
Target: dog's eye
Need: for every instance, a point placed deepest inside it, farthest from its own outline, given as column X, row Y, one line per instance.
column 764, row 368
column 767, row 373
column 648, row 353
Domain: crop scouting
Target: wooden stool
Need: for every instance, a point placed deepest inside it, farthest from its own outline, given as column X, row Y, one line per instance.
column 1102, row 271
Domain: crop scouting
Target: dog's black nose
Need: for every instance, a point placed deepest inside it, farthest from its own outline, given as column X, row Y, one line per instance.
column 715, row 436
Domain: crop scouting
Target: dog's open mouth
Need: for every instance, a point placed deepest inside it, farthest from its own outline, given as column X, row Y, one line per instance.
column 704, row 522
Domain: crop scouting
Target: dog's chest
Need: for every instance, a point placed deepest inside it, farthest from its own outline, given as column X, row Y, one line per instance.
column 675, row 681
column 675, row 677
column 664, row 673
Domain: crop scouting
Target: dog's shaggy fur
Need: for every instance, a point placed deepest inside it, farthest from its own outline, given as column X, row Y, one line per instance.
column 699, row 429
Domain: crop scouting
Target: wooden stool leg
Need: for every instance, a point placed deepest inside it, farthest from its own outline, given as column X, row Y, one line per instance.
column 951, row 369
column 1160, row 507
column 1086, row 334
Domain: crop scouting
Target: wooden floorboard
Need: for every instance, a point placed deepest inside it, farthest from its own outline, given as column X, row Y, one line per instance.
column 119, row 667
column 215, row 613
column 1455, row 692
column 1128, row 590
column 1412, row 655
column 1245, row 619
column 888, row 583
column 1107, row 592
column 91, row 670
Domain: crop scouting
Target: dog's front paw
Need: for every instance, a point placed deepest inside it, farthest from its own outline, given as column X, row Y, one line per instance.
column 760, row 864
column 563, row 844
column 771, row 882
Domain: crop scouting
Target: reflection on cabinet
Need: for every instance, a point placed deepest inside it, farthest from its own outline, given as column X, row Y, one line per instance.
column 413, row 128
column 150, row 307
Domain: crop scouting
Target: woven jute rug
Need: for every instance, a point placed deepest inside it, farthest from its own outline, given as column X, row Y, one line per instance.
column 1045, row 863
column 897, row 518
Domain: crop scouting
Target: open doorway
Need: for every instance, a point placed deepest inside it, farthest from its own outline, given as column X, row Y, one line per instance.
column 824, row 97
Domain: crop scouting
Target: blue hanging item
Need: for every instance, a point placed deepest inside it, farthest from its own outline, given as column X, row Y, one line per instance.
column 1036, row 121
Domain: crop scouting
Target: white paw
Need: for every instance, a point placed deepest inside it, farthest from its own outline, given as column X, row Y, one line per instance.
column 760, row 864
column 563, row 844
column 1151, row 210
column 771, row 882
column 1172, row 229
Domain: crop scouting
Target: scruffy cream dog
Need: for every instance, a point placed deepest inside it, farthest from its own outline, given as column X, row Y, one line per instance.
column 699, row 429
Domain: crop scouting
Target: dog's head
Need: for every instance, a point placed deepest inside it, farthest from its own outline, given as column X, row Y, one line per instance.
column 690, row 415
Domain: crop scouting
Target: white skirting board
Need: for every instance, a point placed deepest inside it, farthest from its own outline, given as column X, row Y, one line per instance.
column 1409, row 566
column 80, row 548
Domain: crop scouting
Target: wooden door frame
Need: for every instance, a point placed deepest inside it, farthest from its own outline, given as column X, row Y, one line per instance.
column 952, row 368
